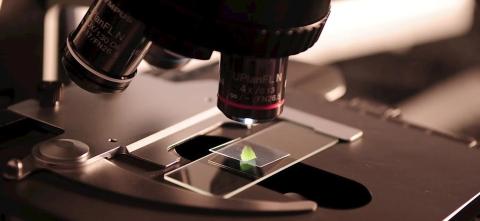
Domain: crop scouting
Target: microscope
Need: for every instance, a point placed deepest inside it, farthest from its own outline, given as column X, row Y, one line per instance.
column 111, row 147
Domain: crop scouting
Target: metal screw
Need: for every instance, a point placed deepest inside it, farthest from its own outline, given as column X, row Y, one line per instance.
column 14, row 169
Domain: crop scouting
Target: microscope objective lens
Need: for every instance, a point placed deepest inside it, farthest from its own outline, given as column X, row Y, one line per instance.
column 251, row 89
column 102, row 54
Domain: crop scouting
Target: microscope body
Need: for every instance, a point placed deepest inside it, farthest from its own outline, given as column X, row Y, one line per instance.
column 135, row 139
column 153, row 151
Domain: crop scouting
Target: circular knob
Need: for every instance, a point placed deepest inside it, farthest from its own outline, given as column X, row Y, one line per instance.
column 63, row 151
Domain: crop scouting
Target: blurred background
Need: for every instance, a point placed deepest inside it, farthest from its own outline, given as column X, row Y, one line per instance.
column 409, row 59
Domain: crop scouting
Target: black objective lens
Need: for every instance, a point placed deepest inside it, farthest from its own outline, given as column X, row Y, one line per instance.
column 252, row 89
column 165, row 59
column 102, row 54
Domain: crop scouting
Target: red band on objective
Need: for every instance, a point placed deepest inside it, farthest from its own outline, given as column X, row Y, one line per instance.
column 251, row 107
